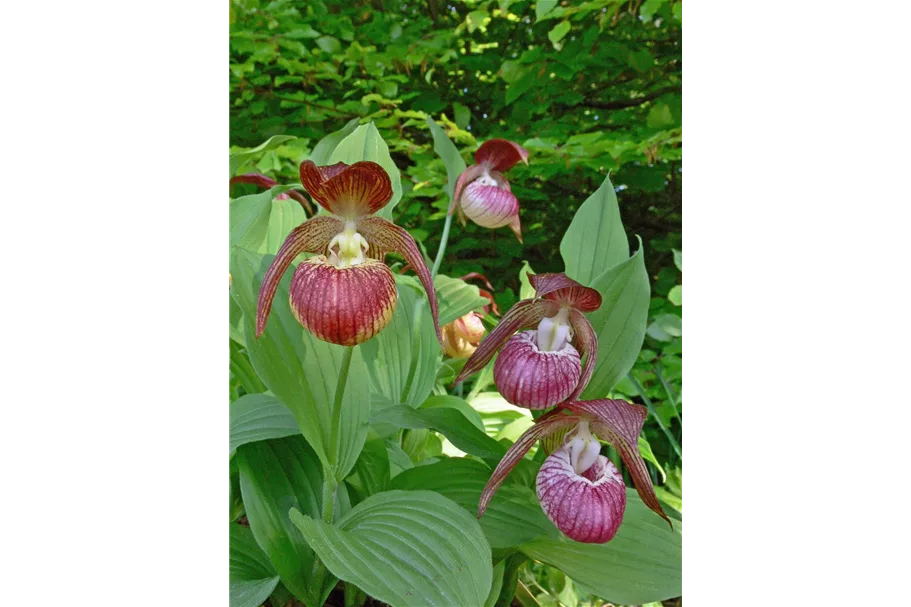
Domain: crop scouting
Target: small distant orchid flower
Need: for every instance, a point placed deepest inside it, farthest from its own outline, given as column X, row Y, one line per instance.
column 462, row 336
column 346, row 294
column 482, row 193
column 580, row 490
column 267, row 182
column 541, row 368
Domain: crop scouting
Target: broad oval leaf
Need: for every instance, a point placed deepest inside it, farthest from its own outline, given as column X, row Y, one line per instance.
column 248, row 219
column 448, row 152
column 366, row 143
column 301, row 370
column 406, row 548
column 449, row 422
column 620, row 323
column 252, row 576
column 285, row 216
column 457, row 298
column 275, row 476
column 238, row 159
column 256, row 417
column 325, row 147
column 454, row 402
column 513, row 517
column 403, row 359
column 595, row 240
column 641, row 564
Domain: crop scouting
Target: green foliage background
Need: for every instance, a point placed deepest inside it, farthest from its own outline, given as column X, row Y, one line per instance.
column 589, row 88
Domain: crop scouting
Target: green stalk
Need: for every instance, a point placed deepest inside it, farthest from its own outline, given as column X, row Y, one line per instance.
column 337, row 405
column 667, row 388
column 442, row 249
column 651, row 409
column 330, row 483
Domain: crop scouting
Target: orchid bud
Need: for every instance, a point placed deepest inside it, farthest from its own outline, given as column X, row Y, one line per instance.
column 462, row 336
column 483, row 194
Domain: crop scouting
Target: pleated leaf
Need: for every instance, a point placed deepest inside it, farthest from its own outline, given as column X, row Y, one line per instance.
column 449, row 422
column 403, row 359
column 620, row 322
column 595, row 240
column 406, row 548
column 275, row 476
column 256, row 417
column 457, row 298
column 449, row 154
column 251, row 575
column 513, row 516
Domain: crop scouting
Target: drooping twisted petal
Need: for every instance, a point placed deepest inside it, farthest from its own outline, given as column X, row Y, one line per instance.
column 312, row 236
column 516, row 227
column 489, row 206
column 529, row 377
column 349, row 191
column 619, row 423
column 467, row 176
column 524, row 315
column 267, row 182
column 500, row 154
column 544, row 425
column 587, row 341
column 386, row 237
column 560, row 287
column 587, row 507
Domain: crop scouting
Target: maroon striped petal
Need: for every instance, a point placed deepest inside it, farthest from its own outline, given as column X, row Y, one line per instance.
column 544, row 425
column 349, row 191
column 528, row 377
column 467, row 176
column 619, row 423
column 344, row 306
column 516, row 227
column 587, row 340
column 386, row 237
column 254, row 178
column 312, row 236
column 560, row 287
column 488, row 205
column 524, row 315
column 587, row 507
column 500, row 154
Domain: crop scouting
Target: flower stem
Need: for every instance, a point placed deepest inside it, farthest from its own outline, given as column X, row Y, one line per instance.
column 651, row 409
column 330, row 483
column 442, row 249
column 337, row 405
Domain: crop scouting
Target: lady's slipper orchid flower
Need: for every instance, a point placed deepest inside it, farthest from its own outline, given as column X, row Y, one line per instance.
column 580, row 490
column 482, row 192
column 346, row 294
column 541, row 368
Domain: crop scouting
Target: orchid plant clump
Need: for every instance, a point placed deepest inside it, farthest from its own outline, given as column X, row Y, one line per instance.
column 380, row 517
